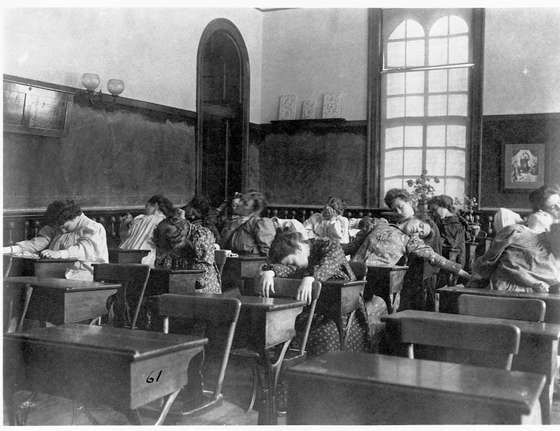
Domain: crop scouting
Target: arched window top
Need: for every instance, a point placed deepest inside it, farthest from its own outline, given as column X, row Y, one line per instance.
column 449, row 25
column 407, row 29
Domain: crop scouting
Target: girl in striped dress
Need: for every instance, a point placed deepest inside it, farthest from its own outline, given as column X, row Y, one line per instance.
column 139, row 235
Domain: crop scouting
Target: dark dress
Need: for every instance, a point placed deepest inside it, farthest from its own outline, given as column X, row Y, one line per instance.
column 326, row 262
column 248, row 235
column 184, row 245
column 452, row 232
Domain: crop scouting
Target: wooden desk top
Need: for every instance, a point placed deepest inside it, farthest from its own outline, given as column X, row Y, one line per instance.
column 42, row 259
column 131, row 251
column 510, row 388
column 62, row 283
column 270, row 304
column 247, row 258
column 385, row 266
column 341, row 283
column 548, row 330
column 179, row 271
column 505, row 293
column 135, row 344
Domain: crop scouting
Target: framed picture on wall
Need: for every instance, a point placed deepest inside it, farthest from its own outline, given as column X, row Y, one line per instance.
column 524, row 166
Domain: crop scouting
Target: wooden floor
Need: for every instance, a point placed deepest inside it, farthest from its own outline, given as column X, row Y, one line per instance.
column 49, row 410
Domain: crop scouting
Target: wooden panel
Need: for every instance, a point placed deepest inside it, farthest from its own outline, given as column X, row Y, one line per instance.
column 516, row 129
column 308, row 167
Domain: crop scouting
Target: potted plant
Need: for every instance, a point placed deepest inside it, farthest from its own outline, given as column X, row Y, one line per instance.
column 422, row 190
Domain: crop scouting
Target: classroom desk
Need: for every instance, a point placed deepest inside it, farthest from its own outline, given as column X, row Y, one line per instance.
column 119, row 255
column 265, row 323
column 353, row 388
column 179, row 281
column 449, row 296
column 58, row 300
column 386, row 281
column 18, row 265
column 538, row 345
column 340, row 298
column 122, row 368
column 239, row 272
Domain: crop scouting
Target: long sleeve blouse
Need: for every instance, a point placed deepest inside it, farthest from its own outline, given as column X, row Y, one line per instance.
column 249, row 235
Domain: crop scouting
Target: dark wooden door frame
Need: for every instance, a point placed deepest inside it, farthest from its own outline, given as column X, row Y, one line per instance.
column 225, row 26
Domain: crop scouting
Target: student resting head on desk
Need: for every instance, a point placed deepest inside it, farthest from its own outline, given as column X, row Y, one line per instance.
column 329, row 223
column 81, row 238
column 138, row 231
column 315, row 259
column 520, row 259
column 247, row 232
column 45, row 236
column 181, row 244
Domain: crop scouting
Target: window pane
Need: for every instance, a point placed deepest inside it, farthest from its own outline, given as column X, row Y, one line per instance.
column 457, row 25
column 413, row 29
column 458, row 104
column 459, row 49
column 436, row 136
column 459, row 79
column 440, row 27
column 398, row 33
column 395, row 54
column 413, row 136
column 394, row 183
column 435, row 162
column 437, row 105
column 415, row 82
column 438, row 51
column 415, row 53
column 393, row 162
column 437, row 81
column 456, row 163
column 455, row 187
column 415, row 106
column 394, row 137
column 395, row 83
column 395, row 107
column 413, row 162
column 456, row 136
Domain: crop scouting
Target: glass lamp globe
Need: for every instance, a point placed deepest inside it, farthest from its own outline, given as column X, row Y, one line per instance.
column 115, row 86
column 91, row 81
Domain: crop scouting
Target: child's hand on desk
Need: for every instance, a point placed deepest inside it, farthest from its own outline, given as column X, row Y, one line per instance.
column 267, row 283
column 50, row 254
column 6, row 250
column 464, row 274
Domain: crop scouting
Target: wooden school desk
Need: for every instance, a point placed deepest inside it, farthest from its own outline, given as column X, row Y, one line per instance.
column 340, row 298
column 352, row 388
column 18, row 265
column 386, row 281
column 119, row 255
column 265, row 323
column 179, row 281
column 57, row 300
column 538, row 345
column 449, row 296
column 239, row 272
column 118, row 367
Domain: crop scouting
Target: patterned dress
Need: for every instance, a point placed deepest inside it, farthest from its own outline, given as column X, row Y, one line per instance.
column 326, row 262
column 389, row 245
column 184, row 245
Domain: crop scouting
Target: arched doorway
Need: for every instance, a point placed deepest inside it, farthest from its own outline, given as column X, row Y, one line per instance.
column 222, row 111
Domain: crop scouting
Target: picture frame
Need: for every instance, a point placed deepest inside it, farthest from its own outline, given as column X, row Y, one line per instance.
column 524, row 166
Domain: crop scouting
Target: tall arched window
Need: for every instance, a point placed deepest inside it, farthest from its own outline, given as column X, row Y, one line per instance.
column 427, row 61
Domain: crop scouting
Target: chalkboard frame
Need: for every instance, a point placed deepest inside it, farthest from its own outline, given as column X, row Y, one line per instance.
column 21, row 120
